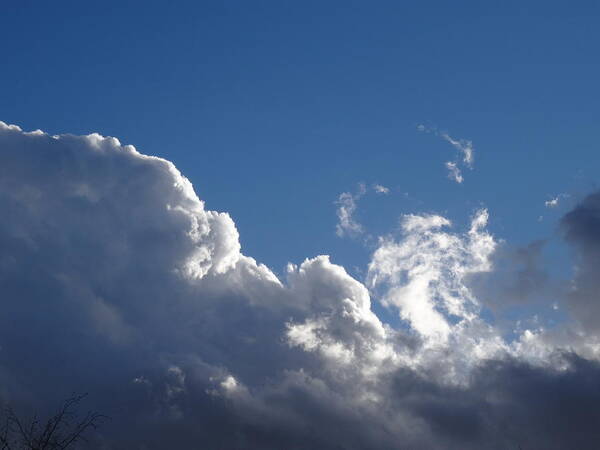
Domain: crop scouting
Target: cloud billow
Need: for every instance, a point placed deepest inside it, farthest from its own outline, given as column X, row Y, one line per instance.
column 115, row 279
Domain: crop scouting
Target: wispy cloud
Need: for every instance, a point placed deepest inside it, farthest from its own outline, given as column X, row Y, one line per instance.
column 379, row 189
column 347, row 204
column 346, row 207
column 465, row 147
column 465, row 157
column 454, row 172
column 554, row 201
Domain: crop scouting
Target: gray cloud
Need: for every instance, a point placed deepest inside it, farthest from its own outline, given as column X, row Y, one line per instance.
column 115, row 279
column 582, row 229
column 519, row 278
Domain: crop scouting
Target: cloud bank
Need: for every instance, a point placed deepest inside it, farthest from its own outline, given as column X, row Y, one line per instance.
column 116, row 280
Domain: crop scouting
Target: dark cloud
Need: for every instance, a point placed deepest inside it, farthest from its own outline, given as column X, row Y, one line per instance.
column 581, row 227
column 519, row 278
column 510, row 403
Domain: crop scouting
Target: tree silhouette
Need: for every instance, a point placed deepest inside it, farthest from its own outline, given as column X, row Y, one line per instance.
column 61, row 431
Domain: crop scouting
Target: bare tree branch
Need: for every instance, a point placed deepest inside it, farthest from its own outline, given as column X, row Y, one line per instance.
column 61, row 431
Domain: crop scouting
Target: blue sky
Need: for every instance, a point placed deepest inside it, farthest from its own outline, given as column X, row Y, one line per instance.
column 272, row 109
column 115, row 279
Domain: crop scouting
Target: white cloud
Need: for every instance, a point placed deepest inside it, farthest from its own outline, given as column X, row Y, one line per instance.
column 454, row 172
column 464, row 146
column 554, row 201
column 346, row 207
column 347, row 204
column 117, row 272
column 379, row 189
column 425, row 272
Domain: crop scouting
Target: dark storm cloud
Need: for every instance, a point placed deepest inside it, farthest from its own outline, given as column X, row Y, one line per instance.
column 509, row 403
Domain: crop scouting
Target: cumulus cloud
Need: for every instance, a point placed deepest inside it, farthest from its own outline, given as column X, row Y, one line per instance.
column 116, row 280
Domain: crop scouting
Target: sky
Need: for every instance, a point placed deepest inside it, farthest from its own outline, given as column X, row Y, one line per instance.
column 303, row 224
column 314, row 98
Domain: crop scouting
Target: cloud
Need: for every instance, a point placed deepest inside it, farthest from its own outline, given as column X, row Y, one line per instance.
column 465, row 148
column 519, row 277
column 554, row 201
column 581, row 227
column 379, row 189
column 346, row 207
column 116, row 280
column 347, row 204
column 454, row 172
column 425, row 274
